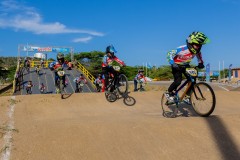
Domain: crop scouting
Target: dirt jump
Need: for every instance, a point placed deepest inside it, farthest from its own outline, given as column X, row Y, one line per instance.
column 87, row 127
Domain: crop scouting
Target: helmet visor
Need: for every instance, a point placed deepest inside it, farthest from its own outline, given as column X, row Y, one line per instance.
column 112, row 50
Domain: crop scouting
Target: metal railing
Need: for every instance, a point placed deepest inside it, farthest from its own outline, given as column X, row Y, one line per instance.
column 85, row 72
column 19, row 65
column 36, row 63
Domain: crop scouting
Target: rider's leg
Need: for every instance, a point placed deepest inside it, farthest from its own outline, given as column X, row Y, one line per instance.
column 177, row 74
column 56, row 78
column 135, row 85
column 63, row 78
column 106, row 76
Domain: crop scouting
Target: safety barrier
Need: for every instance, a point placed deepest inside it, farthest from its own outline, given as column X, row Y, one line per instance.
column 36, row 63
column 16, row 72
column 85, row 72
column 78, row 65
column 5, row 88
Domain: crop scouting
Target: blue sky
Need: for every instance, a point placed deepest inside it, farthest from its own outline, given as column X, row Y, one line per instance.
column 141, row 31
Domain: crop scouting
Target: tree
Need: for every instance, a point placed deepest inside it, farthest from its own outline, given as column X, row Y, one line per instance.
column 92, row 61
column 161, row 73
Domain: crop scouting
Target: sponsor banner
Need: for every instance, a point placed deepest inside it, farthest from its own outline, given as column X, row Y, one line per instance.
column 208, row 72
column 61, row 49
column 45, row 49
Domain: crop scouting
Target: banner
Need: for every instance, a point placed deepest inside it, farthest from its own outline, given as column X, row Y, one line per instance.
column 208, row 72
column 29, row 48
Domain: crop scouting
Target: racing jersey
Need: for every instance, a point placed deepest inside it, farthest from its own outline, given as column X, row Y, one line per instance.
column 139, row 76
column 98, row 81
column 182, row 56
column 57, row 66
column 79, row 79
column 107, row 61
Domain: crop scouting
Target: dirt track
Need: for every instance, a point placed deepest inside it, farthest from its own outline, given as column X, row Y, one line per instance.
column 86, row 126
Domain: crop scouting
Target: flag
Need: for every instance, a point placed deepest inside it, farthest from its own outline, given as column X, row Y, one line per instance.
column 230, row 72
column 208, row 72
column 149, row 66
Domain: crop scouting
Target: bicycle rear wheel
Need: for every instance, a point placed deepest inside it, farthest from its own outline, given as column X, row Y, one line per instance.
column 129, row 101
column 122, row 85
column 203, row 99
column 111, row 97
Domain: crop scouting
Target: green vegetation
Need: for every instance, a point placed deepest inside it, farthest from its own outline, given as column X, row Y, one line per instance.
column 92, row 61
column 7, row 68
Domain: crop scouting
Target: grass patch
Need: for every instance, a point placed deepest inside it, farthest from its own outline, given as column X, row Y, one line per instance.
column 13, row 101
column 5, row 129
column 4, row 149
column 149, row 87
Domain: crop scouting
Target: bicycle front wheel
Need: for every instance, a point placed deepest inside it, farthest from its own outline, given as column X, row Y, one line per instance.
column 203, row 99
column 122, row 85
column 168, row 110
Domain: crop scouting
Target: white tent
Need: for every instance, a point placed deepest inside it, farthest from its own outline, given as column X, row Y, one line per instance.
column 40, row 55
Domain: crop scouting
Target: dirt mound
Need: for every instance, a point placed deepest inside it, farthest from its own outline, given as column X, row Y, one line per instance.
column 86, row 126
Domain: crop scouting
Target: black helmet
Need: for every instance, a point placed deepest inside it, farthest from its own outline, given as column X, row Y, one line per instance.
column 60, row 56
column 110, row 49
column 140, row 70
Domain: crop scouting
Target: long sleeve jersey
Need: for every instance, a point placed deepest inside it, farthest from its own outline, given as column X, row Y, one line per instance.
column 139, row 76
column 182, row 56
column 107, row 60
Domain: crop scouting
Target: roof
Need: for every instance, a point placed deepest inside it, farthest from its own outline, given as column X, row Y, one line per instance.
column 237, row 68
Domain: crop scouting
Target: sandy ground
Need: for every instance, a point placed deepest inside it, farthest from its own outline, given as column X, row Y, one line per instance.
column 87, row 127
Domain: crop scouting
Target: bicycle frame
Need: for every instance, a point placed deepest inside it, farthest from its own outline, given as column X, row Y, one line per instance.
column 189, row 82
column 113, row 81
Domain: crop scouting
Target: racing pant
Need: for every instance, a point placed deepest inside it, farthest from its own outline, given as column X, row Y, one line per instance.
column 177, row 75
column 57, row 77
column 105, row 72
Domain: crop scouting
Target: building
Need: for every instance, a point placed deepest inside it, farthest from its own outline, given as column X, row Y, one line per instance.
column 236, row 73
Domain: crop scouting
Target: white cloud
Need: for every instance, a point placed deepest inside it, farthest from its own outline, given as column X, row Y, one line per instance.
column 84, row 39
column 21, row 17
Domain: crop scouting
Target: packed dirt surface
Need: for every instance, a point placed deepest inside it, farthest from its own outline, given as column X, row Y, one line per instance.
column 87, row 127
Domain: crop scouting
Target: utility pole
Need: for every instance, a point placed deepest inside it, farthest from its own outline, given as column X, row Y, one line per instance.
column 223, row 71
column 219, row 76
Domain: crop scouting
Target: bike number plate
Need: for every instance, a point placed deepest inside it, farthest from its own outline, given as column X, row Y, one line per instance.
column 81, row 84
column 116, row 68
column 192, row 71
column 61, row 73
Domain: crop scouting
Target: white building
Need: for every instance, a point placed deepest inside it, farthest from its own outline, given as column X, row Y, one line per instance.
column 40, row 55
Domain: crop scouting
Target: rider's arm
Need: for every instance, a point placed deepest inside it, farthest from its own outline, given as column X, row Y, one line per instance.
column 170, row 56
column 104, row 61
column 199, row 57
column 145, row 80
column 118, row 61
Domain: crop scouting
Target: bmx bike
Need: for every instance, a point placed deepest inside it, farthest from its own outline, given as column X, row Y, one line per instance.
column 60, row 87
column 198, row 94
column 118, row 87
column 79, row 88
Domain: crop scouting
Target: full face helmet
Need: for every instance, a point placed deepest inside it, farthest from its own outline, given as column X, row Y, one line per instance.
column 140, row 71
column 198, row 39
column 110, row 49
column 60, row 57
